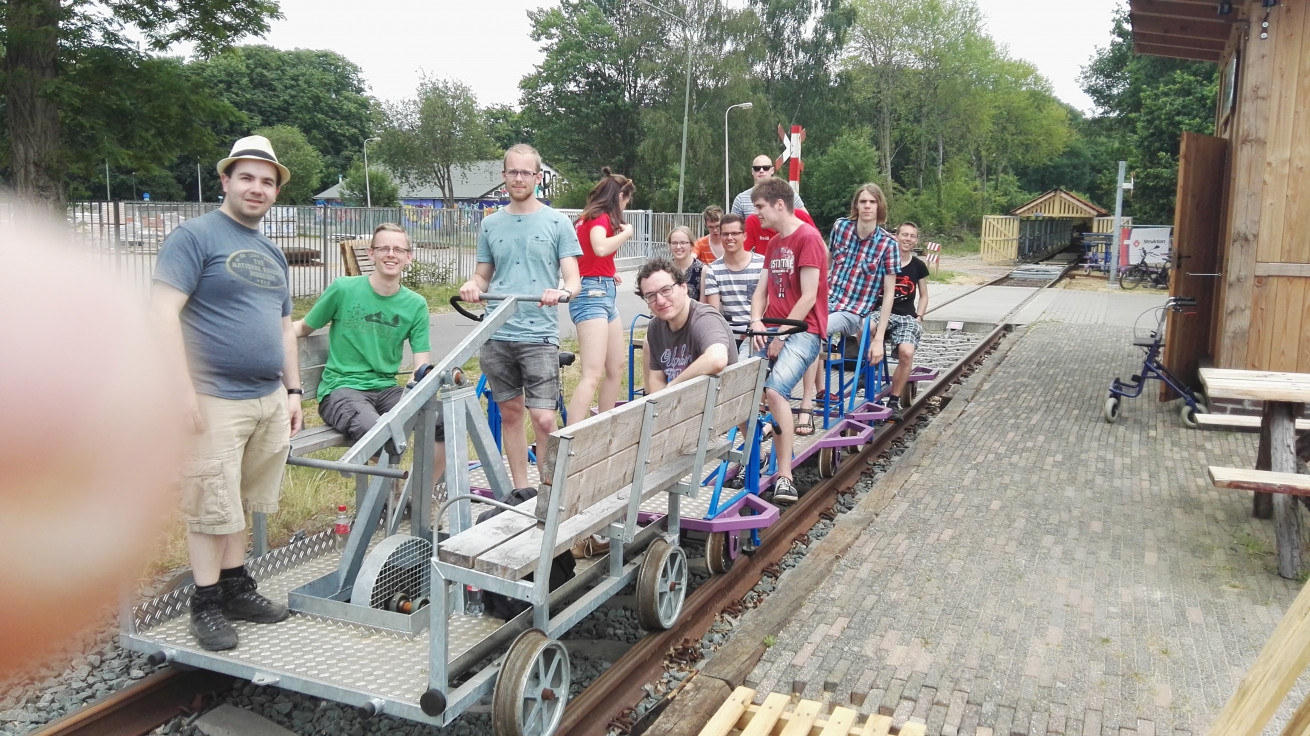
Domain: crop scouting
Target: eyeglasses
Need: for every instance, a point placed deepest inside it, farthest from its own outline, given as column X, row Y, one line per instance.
column 762, row 168
column 665, row 292
column 519, row 174
column 387, row 250
column 726, row 234
column 679, row 242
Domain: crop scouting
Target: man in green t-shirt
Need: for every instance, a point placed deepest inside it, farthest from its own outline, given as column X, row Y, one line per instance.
column 371, row 316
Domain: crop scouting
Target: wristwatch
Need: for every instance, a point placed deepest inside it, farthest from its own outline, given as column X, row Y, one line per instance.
column 299, row 391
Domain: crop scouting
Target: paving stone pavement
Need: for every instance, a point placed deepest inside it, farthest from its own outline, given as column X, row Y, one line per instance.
column 1041, row 571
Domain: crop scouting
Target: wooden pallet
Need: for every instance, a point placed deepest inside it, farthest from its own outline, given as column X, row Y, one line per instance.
column 738, row 716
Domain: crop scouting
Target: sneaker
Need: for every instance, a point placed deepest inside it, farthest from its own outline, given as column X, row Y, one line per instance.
column 896, row 417
column 242, row 602
column 208, row 625
column 784, row 492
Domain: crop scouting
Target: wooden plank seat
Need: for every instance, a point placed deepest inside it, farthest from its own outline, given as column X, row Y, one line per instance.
column 590, row 486
column 1240, row 422
column 313, row 352
column 1264, row 481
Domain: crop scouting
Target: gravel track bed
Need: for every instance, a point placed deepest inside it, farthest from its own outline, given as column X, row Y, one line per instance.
column 95, row 666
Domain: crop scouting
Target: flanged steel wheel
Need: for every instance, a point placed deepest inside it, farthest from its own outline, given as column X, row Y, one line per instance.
column 661, row 586
column 827, row 462
column 721, row 549
column 532, row 687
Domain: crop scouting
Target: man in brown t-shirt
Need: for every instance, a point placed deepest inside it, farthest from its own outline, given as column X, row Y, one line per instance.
column 686, row 338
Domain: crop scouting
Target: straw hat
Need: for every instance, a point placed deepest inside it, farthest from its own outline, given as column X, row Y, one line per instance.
column 255, row 148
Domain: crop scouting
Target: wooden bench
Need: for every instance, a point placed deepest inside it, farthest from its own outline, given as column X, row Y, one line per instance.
column 1261, row 481
column 589, row 470
column 1240, row 422
column 313, row 351
column 355, row 257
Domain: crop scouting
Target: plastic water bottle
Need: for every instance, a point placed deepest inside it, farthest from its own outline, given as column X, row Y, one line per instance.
column 341, row 529
column 473, row 605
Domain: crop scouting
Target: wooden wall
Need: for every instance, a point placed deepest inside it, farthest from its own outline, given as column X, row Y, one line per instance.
column 1264, row 303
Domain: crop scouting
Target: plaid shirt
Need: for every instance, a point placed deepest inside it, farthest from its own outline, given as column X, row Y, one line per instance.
column 858, row 267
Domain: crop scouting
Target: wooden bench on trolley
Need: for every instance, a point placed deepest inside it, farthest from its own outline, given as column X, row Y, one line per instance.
column 594, row 476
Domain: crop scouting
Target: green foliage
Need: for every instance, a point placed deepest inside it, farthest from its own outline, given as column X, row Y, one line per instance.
column 381, row 189
column 321, row 93
column 427, row 138
column 1145, row 104
column 294, row 152
column 421, row 274
column 832, row 176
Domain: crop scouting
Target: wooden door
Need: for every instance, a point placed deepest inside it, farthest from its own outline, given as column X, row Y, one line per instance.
column 1198, row 217
column 1000, row 239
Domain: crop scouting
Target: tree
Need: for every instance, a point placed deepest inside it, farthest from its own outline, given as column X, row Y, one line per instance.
column 321, row 93
column 301, row 159
column 428, row 138
column 381, row 188
column 508, row 127
column 38, row 37
column 1144, row 103
column 832, row 176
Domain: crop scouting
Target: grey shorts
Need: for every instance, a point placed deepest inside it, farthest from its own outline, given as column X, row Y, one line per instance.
column 530, row 369
column 353, row 412
column 902, row 329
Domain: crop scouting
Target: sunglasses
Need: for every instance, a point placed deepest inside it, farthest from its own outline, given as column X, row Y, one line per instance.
column 762, row 168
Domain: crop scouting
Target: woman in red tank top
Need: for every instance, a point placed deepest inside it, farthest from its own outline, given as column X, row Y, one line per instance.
column 601, row 230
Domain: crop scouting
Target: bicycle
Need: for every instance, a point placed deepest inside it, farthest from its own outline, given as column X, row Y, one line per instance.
column 1142, row 272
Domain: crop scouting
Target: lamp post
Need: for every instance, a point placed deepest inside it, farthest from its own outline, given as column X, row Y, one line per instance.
column 368, row 188
column 727, row 191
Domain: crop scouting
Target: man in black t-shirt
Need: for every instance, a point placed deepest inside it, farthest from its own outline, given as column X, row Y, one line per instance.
column 908, row 307
column 685, row 338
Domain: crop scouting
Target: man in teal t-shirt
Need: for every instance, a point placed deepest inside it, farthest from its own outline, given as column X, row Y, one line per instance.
column 371, row 316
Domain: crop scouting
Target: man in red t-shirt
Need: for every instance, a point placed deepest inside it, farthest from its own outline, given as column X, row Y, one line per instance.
column 758, row 236
column 793, row 285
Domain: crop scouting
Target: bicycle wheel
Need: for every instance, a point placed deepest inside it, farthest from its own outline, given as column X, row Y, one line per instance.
column 1133, row 277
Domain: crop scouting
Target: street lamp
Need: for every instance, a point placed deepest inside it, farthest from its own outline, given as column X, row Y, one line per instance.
column 368, row 188
column 727, row 192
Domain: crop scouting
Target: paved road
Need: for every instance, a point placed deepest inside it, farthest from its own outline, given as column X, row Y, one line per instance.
column 1038, row 570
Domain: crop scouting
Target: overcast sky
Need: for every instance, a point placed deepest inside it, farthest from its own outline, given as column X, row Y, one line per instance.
column 486, row 44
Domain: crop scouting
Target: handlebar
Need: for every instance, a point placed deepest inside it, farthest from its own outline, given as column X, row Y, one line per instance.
column 794, row 326
column 455, row 302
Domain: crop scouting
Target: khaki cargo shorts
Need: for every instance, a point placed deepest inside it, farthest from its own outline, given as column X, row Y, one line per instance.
column 236, row 465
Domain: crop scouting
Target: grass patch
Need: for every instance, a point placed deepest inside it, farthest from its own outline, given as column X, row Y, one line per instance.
column 943, row 277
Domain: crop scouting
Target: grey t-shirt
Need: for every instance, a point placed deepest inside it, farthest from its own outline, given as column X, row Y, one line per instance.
column 742, row 204
column 232, row 323
column 525, row 251
column 672, row 352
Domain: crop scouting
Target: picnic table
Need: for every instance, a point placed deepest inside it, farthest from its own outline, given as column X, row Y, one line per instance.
column 1274, row 478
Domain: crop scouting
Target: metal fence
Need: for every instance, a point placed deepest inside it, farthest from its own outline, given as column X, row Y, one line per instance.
column 125, row 237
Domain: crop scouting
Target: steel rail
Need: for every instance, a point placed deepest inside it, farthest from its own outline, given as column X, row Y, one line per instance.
column 141, row 707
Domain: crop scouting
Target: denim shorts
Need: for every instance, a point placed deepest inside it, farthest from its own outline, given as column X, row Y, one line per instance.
column 595, row 301
column 529, row 369
column 798, row 352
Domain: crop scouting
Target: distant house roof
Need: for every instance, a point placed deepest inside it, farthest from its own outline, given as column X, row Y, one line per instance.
column 1059, row 203
column 478, row 180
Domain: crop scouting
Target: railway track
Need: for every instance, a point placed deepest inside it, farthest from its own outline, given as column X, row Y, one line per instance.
column 171, row 692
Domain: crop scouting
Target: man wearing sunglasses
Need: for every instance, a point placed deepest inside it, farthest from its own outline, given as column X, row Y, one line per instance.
column 371, row 316
column 761, row 169
column 685, row 338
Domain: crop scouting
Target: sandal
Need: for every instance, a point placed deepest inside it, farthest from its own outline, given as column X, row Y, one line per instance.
column 804, row 429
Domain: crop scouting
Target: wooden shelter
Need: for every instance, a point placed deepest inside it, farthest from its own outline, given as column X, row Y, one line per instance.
column 1242, row 223
column 1040, row 227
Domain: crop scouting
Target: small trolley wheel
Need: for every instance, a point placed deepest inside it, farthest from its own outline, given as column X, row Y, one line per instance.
column 1188, row 414
column 911, row 391
column 1111, row 410
column 827, row 462
column 661, row 586
column 721, row 549
column 532, row 687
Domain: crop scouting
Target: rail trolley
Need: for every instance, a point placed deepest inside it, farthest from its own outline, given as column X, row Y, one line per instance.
column 382, row 624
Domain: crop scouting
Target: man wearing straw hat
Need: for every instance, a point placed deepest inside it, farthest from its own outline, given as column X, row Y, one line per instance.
column 221, row 299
